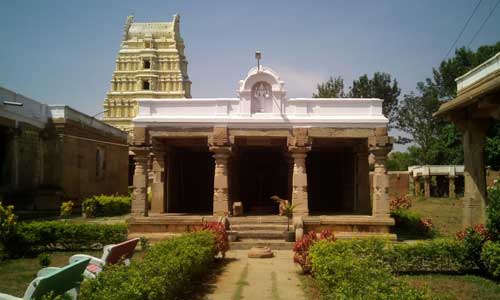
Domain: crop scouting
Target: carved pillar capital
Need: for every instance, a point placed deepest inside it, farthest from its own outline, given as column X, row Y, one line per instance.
column 219, row 137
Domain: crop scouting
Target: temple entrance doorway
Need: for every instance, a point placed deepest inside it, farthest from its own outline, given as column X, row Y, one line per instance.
column 259, row 173
column 190, row 180
column 337, row 177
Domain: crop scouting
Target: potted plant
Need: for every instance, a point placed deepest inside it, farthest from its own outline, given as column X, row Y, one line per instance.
column 288, row 209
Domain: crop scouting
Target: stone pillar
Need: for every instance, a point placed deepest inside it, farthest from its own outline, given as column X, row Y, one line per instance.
column 140, row 197
column 221, row 183
column 451, row 187
column 299, row 181
column 474, row 174
column 427, row 186
column 416, row 181
column 362, row 204
column 290, row 164
column 158, row 203
column 380, row 207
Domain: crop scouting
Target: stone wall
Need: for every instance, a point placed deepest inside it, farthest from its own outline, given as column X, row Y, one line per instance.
column 398, row 183
column 21, row 159
column 81, row 175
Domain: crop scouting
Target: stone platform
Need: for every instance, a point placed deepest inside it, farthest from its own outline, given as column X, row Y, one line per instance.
column 266, row 231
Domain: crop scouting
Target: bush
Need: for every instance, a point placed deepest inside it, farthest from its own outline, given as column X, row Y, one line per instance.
column 412, row 224
column 355, row 270
column 302, row 246
column 62, row 235
column 8, row 227
column 44, row 260
column 220, row 233
column 473, row 239
column 67, row 209
column 493, row 211
column 104, row 205
column 167, row 271
column 490, row 256
column 439, row 255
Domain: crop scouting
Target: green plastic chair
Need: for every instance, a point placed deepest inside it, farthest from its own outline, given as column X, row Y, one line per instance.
column 57, row 281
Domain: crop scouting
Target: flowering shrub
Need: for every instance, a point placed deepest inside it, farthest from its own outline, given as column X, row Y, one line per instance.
column 400, row 202
column 221, row 237
column 302, row 246
column 473, row 239
column 479, row 229
column 410, row 223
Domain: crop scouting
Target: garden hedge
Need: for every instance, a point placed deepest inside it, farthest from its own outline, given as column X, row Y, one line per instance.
column 438, row 255
column 62, row 235
column 168, row 271
column 106, row 205
column 356, row 270
column 490, row 257
column 411, row 224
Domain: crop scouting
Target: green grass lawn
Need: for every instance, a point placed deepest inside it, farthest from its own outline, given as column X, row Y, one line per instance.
column 16, row 274
column 446, row 287
column 446, row 213
column 457, row 287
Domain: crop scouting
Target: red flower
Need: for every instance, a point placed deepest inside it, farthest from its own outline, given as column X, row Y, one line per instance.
column 220, row 233
column 302, row 246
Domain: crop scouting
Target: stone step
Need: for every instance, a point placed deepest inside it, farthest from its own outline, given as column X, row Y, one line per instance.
column 261, row 234
column 251, row 227
column 258, row 220
column 245, row 244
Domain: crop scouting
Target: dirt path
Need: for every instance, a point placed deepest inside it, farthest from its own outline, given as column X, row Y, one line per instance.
column 246, row 278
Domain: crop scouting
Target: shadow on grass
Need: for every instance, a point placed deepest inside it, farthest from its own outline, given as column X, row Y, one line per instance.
column 309, row 286
column 208, row 283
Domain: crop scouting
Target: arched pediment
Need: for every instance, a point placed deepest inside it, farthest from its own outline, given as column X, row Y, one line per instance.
column 262, row 74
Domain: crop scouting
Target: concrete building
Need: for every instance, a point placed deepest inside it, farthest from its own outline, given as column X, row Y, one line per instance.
column 52, row 152
column 150, row 64
column 474, row 110
column 208, row 154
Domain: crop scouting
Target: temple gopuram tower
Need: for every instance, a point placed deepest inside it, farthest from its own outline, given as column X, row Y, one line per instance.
column 150, row 64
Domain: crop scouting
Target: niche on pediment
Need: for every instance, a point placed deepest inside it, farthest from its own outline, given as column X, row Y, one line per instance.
column 261, row 101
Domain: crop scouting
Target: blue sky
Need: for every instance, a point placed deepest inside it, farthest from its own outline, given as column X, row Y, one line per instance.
column 64, row 51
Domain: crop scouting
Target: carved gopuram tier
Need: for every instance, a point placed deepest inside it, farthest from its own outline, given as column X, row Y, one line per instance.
column 150, row 63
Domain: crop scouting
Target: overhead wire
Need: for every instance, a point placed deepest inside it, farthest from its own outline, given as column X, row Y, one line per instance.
column 463, row 29
column 484, row 22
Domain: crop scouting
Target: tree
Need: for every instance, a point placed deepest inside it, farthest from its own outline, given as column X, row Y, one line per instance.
column 437, row 141
column 400, row 161
column 381, row 86
column 415, row 118
column 463, row 61
column 333, row 88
